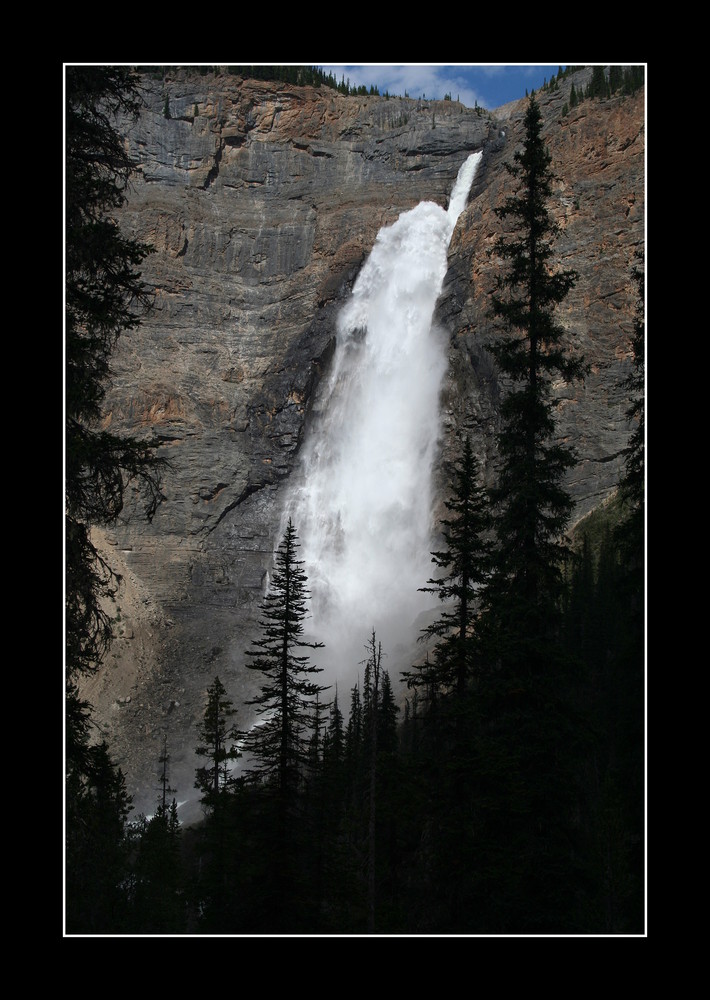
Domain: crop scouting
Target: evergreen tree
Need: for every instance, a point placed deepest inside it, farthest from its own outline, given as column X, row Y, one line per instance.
column 598, row 86
column 279, row 744
column 104, row 298
column 387, row 737
column 634, row 78
column 616, row 78
column 355, row 752
column 334, row 740
column 344, row 857
column 218, row 743
column 165, row 788
column 326, row 797
column 159, row 899
column 392, row 806
column 450, row 683
column 527, row 782
column 97, row 873
column 353, row 730
column 373, row 668
column 465, row 563
column 532, row 507
column 315, row 751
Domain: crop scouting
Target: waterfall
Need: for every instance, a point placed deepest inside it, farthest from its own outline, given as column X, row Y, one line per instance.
column 361, row 501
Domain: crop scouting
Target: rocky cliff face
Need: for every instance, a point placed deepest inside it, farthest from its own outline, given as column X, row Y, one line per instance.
column 262, row 201
column 598, row 202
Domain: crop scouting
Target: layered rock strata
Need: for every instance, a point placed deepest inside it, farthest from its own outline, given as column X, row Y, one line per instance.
column 261, row 201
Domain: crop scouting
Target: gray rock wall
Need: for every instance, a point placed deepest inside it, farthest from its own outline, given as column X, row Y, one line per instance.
column 261, row 208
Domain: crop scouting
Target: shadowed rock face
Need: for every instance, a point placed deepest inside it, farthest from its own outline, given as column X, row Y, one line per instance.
column 262, row 201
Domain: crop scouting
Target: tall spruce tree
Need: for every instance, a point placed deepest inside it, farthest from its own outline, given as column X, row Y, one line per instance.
column 465, row 565
column 449, row 681
column 279, row 743
column 527, row 734
column 158, row 904
column 218, row 744
column 334, row 739
column 531, row 504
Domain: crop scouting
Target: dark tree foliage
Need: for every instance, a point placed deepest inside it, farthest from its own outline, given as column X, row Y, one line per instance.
column 159, row 905
column 449, row 679
column 354, row 750
column 616, row 78
column 391, row 798
column 527, row 745
column 626, row 80
column 105, row 297
column 302, row 76
column 604, row 625
column 97, row 863
column 465, row 564
column 634, row 79
column 165, row 788
column 331, row 872
column 362, row 851
column 371, row 708
column 334, row 737
column 532, row 507
column 218, row 744
column 598, row 86
column 387, row 711
column 279, row 744
column 632, row 485
column 218, row 738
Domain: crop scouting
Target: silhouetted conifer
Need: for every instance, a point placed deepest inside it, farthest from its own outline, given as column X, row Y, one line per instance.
column 105, row 297
column 527, row 784
column 218, row 744
column 465, row 566
column 278, row 745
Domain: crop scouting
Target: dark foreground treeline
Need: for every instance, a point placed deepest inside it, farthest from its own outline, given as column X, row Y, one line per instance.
column 498, row 811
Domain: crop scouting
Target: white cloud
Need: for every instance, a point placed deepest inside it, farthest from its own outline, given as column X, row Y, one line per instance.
column 412, row 79
column 488, row 85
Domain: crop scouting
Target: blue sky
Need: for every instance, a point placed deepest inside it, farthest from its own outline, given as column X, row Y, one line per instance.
column 489, row 85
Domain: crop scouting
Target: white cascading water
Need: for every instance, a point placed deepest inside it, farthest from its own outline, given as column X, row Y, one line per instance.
column 362, row 502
